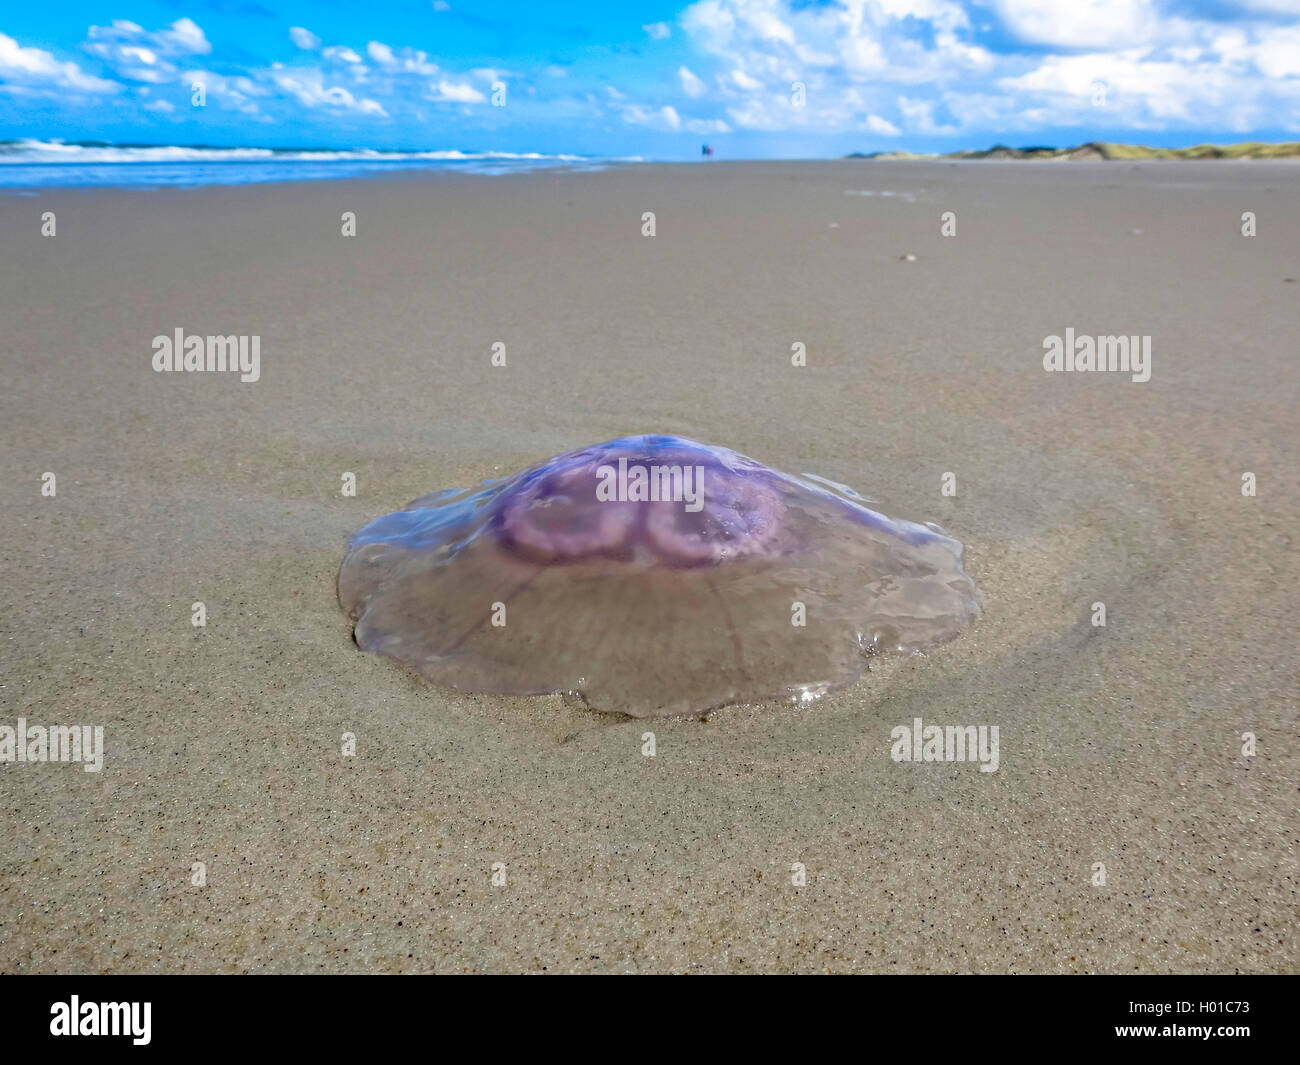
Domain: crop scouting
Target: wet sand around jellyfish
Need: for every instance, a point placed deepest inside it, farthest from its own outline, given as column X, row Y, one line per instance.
column 709, row 579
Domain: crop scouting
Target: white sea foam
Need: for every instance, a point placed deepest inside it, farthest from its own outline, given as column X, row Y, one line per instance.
column 38, row 152
column 53, row 162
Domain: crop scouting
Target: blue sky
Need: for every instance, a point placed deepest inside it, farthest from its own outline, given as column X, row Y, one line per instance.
column 786, row 78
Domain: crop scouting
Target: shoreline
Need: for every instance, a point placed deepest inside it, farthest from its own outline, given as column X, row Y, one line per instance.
column 192, row 173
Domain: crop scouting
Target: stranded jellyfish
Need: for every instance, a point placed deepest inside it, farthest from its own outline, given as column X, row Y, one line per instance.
column 650, row 575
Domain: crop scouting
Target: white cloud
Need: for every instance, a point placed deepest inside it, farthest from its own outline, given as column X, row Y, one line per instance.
column 33, row 68
column 663, row 118
column 709, row 17
column 920, row 116
column 691, row 84
column 923, row 68
column 185, row 37
column 1165, row 62
column 340, row 53
column 182, row 37
column 758, row 114
column 230, row 93
column 774, row 41
column 1080, row 23
column 304, row 39
column 309, row 88
column 768, row 26
column 458, row 92
column 667, row 119
column 137, row 54
column 401, row 60
column 1278, row 54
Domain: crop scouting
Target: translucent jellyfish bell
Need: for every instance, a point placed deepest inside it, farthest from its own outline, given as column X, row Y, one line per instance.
column 650, row 575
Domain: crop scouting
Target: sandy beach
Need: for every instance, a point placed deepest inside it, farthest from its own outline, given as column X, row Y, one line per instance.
column 1121, row 745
